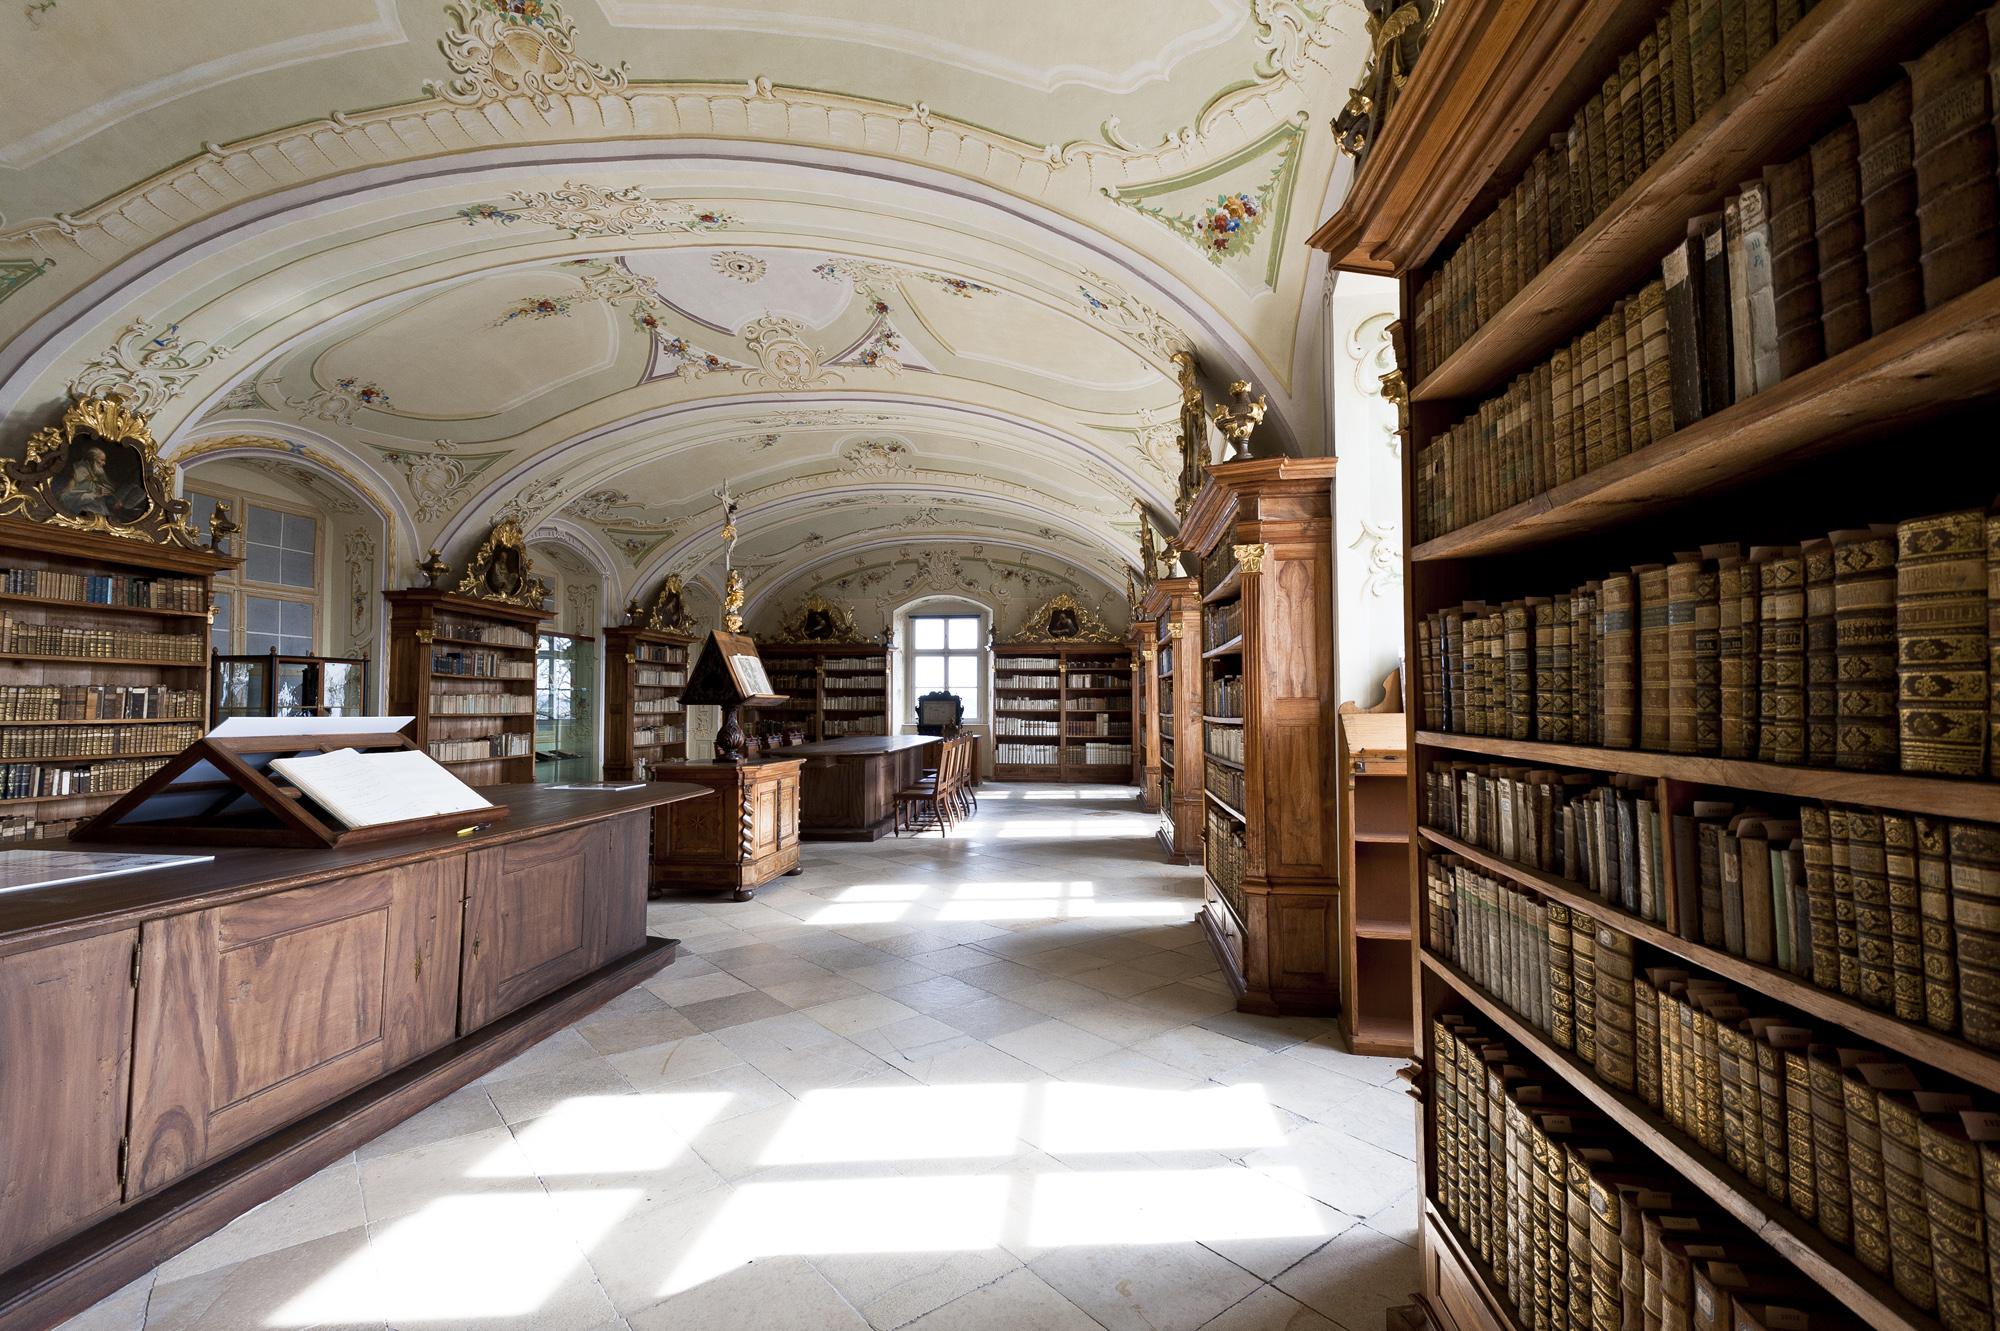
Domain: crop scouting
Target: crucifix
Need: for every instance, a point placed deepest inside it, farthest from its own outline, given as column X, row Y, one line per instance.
column 732, row 584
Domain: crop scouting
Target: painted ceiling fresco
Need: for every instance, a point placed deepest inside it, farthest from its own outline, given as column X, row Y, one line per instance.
column 888, row 271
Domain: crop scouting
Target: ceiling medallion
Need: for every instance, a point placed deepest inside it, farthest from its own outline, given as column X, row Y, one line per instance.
column 499, row 49
column 745, row 268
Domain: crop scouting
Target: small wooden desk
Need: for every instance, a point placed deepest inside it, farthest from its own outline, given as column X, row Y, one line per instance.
column 851, row 783
column 740, row 840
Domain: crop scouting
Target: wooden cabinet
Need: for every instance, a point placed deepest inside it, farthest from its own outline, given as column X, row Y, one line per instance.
column 65, row 1042
column 1263, row 529
column 1145, row 734
column 743, row 838
column 1175, row 607
column 645, row 671
column 253, row 1014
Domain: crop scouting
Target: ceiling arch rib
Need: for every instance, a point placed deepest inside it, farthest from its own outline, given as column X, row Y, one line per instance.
column 777, row 588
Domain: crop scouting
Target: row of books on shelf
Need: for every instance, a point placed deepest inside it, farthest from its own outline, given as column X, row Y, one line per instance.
column 1101, row 753
column 1098, row 679
column 1873, row 649
column 25, row 826
column 186, row 594
column 854, row 702
column 506, row 745
column 656, row 677
column 21, row 781
column 1027, row 755
column 657, row 706
column 659, row 653
column 645, row 735
column 1008, row 664
column 1225, row 783
column 1886, row 1160
column 98, row 702
column 1578, row 1226
column 1021, row 725
column 1844, row 242
column 74, row 741
column 1221, row 623
column 1031, row 704
column 1651, row 95
column 1224, row 854
column 469, row 704
column 1223, row 696
column 832, row 726
column 474, row 663
column 864, row 664
column 1097, row 725
column 474, row 630
column 1023, row 680
column 33, row 638
column 1098, row 704
column 1164, row 661
column 1224, row 742
column 1898, row 911
column 786, row 682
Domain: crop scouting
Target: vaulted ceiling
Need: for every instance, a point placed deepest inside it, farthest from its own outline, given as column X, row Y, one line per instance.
column 891, row 271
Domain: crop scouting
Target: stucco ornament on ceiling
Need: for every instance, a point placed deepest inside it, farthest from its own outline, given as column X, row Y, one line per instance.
column 744, row 268
column 877, row 457
column 785, row 359
column 499, row 49
column 584, row 209
column 144, row 369
column 437, row 480
column 335, row 405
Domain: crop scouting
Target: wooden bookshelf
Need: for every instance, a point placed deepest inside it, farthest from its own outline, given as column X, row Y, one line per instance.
column 1143, row 640
column 833, row 689
column 1827, row 447
column 1175, row 605
column 125, row 748
column 1074, row 701
column 1262, row 531
column 645, row 670
column 436, row 640
column 1377, row 977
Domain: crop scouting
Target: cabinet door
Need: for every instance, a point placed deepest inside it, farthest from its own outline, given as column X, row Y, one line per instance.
column 616, row 904
column 253, row 1015
column 788, row 811
column 527, row 920
column 65, row 1036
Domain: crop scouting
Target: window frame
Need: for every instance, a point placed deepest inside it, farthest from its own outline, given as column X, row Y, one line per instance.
column 973, row 695
column 236, row 583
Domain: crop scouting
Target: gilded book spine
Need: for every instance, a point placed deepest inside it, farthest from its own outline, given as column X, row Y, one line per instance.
column 1822, row 671
column 1956, row 1211
column 1615, row 1034
column 1941, row 648
column 1868, row 871
column 1684, row 588
column 1993, row 639
column 1829, row 1119
column 1619, row 643
column 1555, row 719
column 1975, row 901
column 1654, row 673
column 1889, row 208
column 1781, row 628
column 1736, row 655
column 1864, row 646
column 1520, row 677
column 1906, row 950
column 1903, row 1184
column 1934, row 904
column 1583, row 988
column 1794, row 266
column 1864, row 1173
column 1819, row 895
column 1843, row 901
column 1951, row 128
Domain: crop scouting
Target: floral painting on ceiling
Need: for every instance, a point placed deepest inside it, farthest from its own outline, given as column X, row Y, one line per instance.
column 1234, row 210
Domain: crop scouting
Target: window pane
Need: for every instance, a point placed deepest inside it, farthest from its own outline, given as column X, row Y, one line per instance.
column 218, row 634
column 295, row 569
column 928, row 632
column 260, row 563
column 203, row 507
column 299, row 532
column 259, row 643
column 963, row 675
column 929, row 673
column 264, row 615
column 298, row 619
column 266, row 526
column 964, row 633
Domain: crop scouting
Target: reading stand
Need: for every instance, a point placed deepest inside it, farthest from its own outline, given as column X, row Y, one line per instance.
column 221, row 791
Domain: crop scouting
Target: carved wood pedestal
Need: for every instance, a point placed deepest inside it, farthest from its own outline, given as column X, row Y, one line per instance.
column 742, row 839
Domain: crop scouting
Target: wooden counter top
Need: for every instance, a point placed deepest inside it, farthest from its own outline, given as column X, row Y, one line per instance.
column 37, row 915
column 855, row 744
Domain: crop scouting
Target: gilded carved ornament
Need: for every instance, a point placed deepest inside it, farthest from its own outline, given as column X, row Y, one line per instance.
column 501, row 571
column 1250, row 558
column 1062, row 618
column 98, row 470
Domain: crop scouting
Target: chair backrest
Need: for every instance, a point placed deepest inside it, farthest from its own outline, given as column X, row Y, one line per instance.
column 952, row 764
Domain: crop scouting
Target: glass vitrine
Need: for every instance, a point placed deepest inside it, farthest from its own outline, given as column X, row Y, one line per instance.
column 274, row 684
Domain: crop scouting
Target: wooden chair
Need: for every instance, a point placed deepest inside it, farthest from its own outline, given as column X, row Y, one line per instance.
column 940, row 797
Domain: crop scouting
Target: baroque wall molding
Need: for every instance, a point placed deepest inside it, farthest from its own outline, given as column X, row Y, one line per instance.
column 145, row 369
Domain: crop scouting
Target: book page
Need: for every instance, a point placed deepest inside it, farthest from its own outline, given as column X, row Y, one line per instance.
column 368, row 789
column 750, row 673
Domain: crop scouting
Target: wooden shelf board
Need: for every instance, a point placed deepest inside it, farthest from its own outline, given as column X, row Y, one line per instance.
column 1377, row 1036
column 1234, row 647
column 1382, row 838
column 487, row 646
column 1217, row 801
column 1226, row 762
column 1941, row 358
column 529, row 680
column 475, row 716
column 1226, row 588
column 1831, row 58
column 57, row 603
column 1798, row 1241
column 1949, row 1054
column 1223, row 720
column 1946, row 797
column 1394, row 930
column 466, row 762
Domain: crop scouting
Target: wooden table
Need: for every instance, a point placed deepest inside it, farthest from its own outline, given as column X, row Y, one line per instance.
column 180, row 1044
column 851, row 783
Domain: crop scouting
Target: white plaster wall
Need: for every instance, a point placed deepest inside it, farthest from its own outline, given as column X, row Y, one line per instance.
column 1368, row 505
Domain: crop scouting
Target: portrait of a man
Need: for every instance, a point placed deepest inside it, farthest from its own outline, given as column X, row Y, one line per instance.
column 1062, row 623
column 101, row 479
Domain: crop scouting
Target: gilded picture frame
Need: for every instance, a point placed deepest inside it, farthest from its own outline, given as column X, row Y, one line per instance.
column 98, row 470
column 1062, row 618
column 668, row 613
column 818, row 620
column 501, row 571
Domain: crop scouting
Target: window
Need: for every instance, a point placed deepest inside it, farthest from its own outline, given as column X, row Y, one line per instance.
column 946, row 653
column 565, row 716
column 271, row 600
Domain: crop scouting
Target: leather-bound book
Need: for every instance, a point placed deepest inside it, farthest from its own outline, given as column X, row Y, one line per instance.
column 1975, row 910
column 1689, row 582
column 1582, row 664
column 1753, row 876
column 1617, row 610
column 1829, row 1128
column 1864, row 647
column 1613, row 182
column 1736, row 1078
column 1736, row 669
column 1793, row 1042
column 1868, row 871
column 1655, row 96
column 1794, row 266
column 1734, row 55
column 1900, row 1114
column 1561, row 1006
column 1681, row 272
column 1657, row 374
column 1560, row 386
column 1822, row 671
column 1705, row 53
column 1583, row 988
column 1840, row 236
column 1615, row 1037
column 1906, row 935
column 1596, row 169
column 1732, row 886
column 1993, row 643
column 1718, row 350
column 1520, row 669
column 1819, row 896
column 1889, row 208
column 1781, row 655
column 1560, row 232
column 1787, row 14
column 1632, row 119
column 1618, row 390
column 1839, row 822
column 1957, row 1213
column 1951, row 129
column 1678, row 64
column 1654, row 673
column 1869, row 1193
column 1941, row 647
column 1760, row 30
column 1940, row 948
column 1742, row 351
column 1555, row 720
column 1760, row 287
column 1592, row 412
column 1542, row 636
column 1646, row 1040
column 1714, row 928
column 1984, row 1129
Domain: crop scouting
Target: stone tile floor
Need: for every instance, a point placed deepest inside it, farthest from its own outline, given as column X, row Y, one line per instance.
column 986, row 1081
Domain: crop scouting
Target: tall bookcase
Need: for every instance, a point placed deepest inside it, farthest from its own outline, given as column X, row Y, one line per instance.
column 1262, row 529
column 1145, row 728
column 1175, row 607
column 103, row 667
column 1825, row 447
column 834, row 688
column 1372, row 761
column 1062, row 712
column 645, row 670
column 464, row 668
